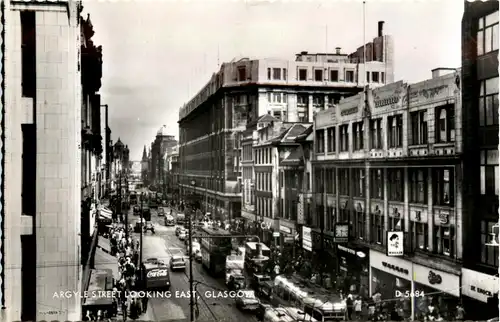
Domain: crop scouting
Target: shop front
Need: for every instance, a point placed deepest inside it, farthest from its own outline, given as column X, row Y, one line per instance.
column 477, row 290
column 441, row 289
column 389, row 275
column 287, row 235
column 353, row 269
column 323, row 257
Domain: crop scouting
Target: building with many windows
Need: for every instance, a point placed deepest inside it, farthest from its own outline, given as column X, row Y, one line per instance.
column 389, row 159
column 53, row 150
column 242, row 90
column 164, row 143
column 481, row 184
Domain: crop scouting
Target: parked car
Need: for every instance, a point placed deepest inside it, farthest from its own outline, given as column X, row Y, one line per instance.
column 161, row 211
column 183, row 235
column 177, row 262
column 178, row 230
column 197, row 255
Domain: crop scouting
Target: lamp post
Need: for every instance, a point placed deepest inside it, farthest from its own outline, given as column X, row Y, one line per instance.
column 140, row 235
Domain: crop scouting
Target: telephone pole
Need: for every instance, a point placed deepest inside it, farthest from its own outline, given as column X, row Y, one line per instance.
column 140, row 235
column 191, row 277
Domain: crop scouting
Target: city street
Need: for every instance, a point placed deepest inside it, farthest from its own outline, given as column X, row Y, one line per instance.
column 163, row 245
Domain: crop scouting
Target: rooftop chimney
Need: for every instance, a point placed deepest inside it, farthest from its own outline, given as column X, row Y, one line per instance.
column 381, row 28
column 337, row 50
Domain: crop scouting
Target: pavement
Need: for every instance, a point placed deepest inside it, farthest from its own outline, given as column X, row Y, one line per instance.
column 163, row 245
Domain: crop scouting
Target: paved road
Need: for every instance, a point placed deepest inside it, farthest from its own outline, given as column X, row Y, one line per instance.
column 163, row 245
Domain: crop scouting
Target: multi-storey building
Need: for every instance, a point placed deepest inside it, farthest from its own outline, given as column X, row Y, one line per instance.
column 389, row 159
column 54, row 142
column 163, row 143
column 480, row 126
column 244, row 89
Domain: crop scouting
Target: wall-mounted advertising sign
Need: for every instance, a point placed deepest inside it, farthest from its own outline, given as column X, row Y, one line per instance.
column 306, row 238
column 395, row 243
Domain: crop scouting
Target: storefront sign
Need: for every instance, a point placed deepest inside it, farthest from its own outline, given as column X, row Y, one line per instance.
column 395, row 243
column 347, row 250
column 388, row 97
column 430, row 91
column 392, row 265
column 306, row 238
column 341, row 233
column 285, row 230
column 325, row 118
column 442, row 281
column 478, row 285
column 265, row 225
column 349, row 111
column 350, row 108
column 276, row 234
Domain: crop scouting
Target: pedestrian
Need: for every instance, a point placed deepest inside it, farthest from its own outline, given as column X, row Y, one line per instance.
column 349, row 303
column 358, row 305
column 144, row 300
column 460, row 315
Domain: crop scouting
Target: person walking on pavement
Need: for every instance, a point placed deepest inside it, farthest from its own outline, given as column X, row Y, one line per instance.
column 358, row 307
column 460, row 315
column 349, row 303
column 144, row 300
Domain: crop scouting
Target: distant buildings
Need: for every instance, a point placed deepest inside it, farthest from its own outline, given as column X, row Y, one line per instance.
column 242, row 90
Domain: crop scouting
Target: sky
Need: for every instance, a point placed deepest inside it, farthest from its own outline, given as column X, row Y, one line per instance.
column 158, row 54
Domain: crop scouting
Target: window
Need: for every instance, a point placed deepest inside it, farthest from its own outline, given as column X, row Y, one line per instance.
column 489, row 172
column 276, row 73
column 330, row 180
column 358, row 225
column 377, row 224
column 445, row 240
column 418, row 185
column 334, row 75
column 367, row 77
column 396, row 184
column 445, row 123
column 269, row 73
column 396, row 223
column 376, row 134
column 359, row 182
column 320, row 141
column 318, row 100
column 418, row 127
column 331, row 139
column 28, row 172
column 443, row 187
column 377, row 184
column 242, row 74
column 344, row 182
column 332, row 100
column 302, row 99
column 489, row 254
column 302, row 74
column 344, row 138
column 285, row 74
column 375, row 77
column 487, row 34
column 395, row 125
column 419, row 233
column 318, row 75
column 319, row 182
column 382, row 77
column 488, row 102
column 349, row 76
column 358, row 136
column 277, row 97
column 28, row 53
column 308, row 181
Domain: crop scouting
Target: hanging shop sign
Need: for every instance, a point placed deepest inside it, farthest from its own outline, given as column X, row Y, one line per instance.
column 276, row 234
column 285, row 230
column 439, row 280
column 306, row 238
column 478, row 285
column 395, row 243
column 341, row 233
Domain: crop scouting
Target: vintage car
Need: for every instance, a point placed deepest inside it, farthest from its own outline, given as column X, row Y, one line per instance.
column 182, row 235
column 137, row 210
column 262, row 285
column 169, row 221
column 161, row 212
column 177, row 262
column 237, row 282
column 247, row 302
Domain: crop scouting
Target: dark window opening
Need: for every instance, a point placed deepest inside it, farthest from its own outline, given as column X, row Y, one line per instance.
column 28, row 54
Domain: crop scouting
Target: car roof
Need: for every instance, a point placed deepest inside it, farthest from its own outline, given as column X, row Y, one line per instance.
column 177, row 257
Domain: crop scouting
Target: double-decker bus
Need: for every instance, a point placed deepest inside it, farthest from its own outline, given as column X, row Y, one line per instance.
column 215, row 246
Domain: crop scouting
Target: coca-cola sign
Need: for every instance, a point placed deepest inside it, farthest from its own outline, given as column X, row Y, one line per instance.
column 157, row 272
